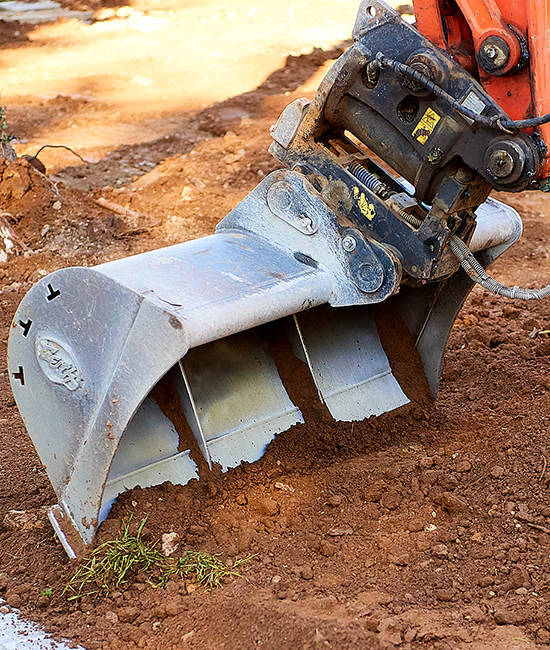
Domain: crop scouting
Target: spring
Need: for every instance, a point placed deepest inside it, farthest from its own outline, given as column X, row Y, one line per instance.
column 369, row 180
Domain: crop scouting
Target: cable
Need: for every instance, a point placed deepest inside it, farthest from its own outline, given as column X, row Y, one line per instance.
column 508, row 126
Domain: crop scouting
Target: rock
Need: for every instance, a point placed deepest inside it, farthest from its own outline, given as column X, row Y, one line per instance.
column 338, row 532
column 128, row 614
column 307, row 572
column 440, row 550
column 485, row 581
column 335, row 500
column 505, row 617
column 463, row 466
column 268, row 507
column 426, row 462
column 513, row 554
column 497, row 472
column 453, row 505
column 111, row 618
column 522, row 591
column 169, row 543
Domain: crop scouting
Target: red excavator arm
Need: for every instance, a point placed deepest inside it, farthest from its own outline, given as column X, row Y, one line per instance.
column 504, row 44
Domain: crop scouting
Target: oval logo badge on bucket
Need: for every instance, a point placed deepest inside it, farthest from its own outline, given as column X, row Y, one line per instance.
column 58, row 364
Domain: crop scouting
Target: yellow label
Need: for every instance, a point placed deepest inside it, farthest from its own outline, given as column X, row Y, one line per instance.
column 426, row 126
column 366, row 208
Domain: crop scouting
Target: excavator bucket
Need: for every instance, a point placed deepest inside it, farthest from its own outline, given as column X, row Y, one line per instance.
column 129, row 373
column 121, row 370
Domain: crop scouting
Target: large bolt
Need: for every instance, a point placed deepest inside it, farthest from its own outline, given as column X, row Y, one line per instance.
column 501, row 163
column 493, row 54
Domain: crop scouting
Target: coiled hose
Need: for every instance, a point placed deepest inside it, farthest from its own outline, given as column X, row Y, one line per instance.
column 464, row 255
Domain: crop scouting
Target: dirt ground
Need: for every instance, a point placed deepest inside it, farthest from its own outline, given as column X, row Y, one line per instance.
column 444, row 507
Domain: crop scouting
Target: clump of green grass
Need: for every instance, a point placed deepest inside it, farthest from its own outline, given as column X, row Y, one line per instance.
column 112, row 566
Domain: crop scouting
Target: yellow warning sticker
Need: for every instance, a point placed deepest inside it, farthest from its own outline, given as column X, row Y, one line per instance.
column 426, row 126
column 366, row 208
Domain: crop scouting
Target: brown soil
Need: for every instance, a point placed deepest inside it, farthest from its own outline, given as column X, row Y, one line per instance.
column 442, row 509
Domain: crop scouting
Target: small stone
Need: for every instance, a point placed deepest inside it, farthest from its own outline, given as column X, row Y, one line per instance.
column 169, row 543
column 56, row 205
column 335, row 500
column 307, row 572
column 268, row 507
column 497, row 471
column 186, row 193
column 522, row 591
column 338, row 532
column 111, row 618
column 505, row 617
column 514, row 554
column 440, row 550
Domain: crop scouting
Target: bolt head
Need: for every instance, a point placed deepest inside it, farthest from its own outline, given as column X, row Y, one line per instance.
column 349, row 244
